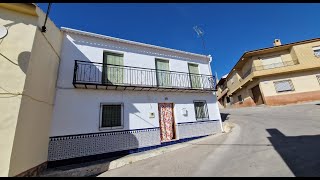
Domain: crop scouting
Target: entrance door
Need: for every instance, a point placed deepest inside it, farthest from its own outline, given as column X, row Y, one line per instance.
column 257, row 97
column 166, row 121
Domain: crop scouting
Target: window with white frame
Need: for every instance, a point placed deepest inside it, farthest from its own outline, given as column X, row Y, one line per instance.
column 316, row 51
column 201, row 110
column 111, row 115
column 283, row 86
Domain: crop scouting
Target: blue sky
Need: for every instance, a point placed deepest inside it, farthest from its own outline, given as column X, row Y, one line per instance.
column 229, row 29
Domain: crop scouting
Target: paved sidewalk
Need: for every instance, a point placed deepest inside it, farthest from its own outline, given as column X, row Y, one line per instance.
column 267, row 141
column 98, row 167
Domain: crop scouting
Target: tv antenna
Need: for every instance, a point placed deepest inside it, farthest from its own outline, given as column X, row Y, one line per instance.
column 200, row 33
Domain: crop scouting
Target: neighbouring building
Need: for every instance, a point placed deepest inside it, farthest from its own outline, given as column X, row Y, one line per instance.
column 119, row 96
column 223, row 99
column 278, row 75
column 29, row 61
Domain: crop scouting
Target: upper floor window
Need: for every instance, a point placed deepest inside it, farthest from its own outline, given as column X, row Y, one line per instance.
column 195, row 78
column 316, row 51
column 112, row 70
column 283, row 86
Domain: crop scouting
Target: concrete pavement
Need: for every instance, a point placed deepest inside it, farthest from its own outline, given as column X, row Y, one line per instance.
column 267, row 141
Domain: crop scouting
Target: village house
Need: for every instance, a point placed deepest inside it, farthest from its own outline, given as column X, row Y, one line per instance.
column 116, row 96
column 69, row 95
column 278, row 75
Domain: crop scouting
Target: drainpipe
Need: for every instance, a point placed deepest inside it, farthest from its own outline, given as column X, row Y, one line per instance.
column 214, row 93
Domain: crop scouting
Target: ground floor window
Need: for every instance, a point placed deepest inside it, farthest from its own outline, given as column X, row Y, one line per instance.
column 201, row 110
column 240, row 99
column 318, row 77
column 283, row 86
column 111, row 116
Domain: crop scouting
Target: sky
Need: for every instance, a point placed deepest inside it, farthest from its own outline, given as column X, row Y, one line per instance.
column 229, row 29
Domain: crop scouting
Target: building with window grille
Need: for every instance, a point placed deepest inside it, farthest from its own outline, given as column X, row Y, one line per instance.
column 116, row 96
column 278, row 75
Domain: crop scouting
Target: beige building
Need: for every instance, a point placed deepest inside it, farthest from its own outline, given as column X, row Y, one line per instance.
column 29, row 62
column 278, row 75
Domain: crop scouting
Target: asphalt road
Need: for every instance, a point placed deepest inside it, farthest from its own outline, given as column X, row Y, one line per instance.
column 266, row 141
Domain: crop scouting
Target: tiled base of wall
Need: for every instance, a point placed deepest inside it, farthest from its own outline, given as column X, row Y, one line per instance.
column 199, row 128
column 99, row 143
column 87, row 147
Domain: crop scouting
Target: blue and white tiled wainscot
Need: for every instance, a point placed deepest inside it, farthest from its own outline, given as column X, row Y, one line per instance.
column 82, row 147
column 65, row 147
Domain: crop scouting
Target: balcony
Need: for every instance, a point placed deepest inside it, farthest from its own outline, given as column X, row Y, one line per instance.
column 275, row 65
column 269, row 66
column 118, row 77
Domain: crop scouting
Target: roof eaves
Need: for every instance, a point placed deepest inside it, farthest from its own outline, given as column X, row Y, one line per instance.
column 131, row 42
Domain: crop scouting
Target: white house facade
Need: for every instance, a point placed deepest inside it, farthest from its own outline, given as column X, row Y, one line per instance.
column 115, row 95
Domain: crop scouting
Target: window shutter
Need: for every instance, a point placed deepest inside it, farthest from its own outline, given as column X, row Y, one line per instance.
column 113, row 74
column 282, row 86
column 195, row 78
column 163, row 76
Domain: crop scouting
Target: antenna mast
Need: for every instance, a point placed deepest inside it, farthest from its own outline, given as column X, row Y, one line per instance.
column 200, row 33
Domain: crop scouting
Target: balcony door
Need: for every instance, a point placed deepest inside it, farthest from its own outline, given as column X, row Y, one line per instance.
column 195, row 77
column 163, row 74
column 112, row 68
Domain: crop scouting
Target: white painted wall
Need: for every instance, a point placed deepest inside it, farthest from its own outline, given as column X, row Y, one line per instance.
column 77, row 110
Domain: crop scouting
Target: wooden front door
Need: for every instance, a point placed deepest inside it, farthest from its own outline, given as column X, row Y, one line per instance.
column 166, row 122
column 257, row 96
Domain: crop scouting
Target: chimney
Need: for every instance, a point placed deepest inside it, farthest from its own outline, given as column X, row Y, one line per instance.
column 276, row 42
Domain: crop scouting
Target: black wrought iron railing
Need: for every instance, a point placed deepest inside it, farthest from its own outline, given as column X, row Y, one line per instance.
column 92, row 73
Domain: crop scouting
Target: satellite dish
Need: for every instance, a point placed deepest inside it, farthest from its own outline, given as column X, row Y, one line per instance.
column 3, row 31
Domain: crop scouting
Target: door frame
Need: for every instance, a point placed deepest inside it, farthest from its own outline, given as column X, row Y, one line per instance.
column 175, row 135
column 262, row 97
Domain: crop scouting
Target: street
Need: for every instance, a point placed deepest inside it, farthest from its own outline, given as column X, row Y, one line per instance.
column 266, row 141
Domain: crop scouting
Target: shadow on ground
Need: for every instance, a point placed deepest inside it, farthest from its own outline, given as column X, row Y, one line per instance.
column 224, row 116
column 300, row 153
